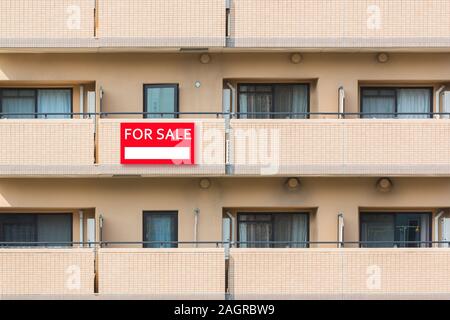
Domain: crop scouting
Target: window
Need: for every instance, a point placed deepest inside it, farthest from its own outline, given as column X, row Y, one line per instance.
column 258, row 101
column 36, row 228
column 395, row 229
column 396, row 102
column 273, row 227
column 161, row 226
column 28, row 101
column 161, row 98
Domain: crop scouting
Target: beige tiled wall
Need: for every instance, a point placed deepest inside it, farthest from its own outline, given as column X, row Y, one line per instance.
column 46, row 143
column 46, row 272
column 340, row 23
column 342, row 147
column 162, row 272
column 337, row 272
column 162, row 23
column 46, row 23
column 209, row 154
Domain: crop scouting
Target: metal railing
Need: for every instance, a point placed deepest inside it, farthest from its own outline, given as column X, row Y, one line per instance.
column 292, row 115
column 229, row 244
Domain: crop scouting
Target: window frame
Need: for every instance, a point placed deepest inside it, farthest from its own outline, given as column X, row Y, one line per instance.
column 272, row 85
column 175, row 86
column 173, row 213
column 239, row 214
column 429, row 214
column 395, row 88
column 34, row 216
column 36, row 97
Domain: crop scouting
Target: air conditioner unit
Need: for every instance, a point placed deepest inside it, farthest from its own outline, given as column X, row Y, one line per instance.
column 446, row 104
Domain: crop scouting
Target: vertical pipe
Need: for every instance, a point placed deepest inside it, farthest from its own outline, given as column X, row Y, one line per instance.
column 196, row 214
column 438, row 101
column 81, row 228
column 341, row 102
column 436, row 226
column 82, row 101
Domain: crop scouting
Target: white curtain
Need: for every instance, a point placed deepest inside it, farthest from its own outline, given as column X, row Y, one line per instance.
column 255, row 102
column 300, row 101
column 378, row 104
column 55, row 101
column 161, row 100
column 278, row 227
column 18, row 105
column 413, row 100
column 291, row 228
column 160, row 228
column 291, row 98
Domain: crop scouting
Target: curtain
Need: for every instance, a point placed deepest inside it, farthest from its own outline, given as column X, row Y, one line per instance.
column 255, row 227
column 160, row 228
column 378, row 104
column 161, row 100
column 18, row 101
column 378, row 227
column 291, row 98
column 55, row 101
column 291, row 227
column 36, row 228
column 283, row 98
column 413, row 100
column 54, row 228
column 278, row 227
column 255, row 102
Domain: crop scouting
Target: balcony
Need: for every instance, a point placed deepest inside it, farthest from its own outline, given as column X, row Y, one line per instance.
column 359, row 147
column 254, row 147
column 387, row 24
column 210, row 154
column 161, row 23
column 197, row 273
column 46, row 23
column 340, row 24
column 110, row 23
column 40, row 147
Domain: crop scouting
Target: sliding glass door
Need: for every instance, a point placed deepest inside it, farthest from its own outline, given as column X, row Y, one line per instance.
column 391, row 102
column 276, row 101
column 28, row 103
column 395, row 229
column 48, row 229
column 276, row 230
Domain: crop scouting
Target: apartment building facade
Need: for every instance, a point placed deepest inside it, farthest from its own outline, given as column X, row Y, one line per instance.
column 318, row 149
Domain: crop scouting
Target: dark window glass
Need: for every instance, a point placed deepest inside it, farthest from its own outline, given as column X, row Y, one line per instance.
column 51, row 228
column 273, row 227
column 396, row 102
column 395, row 229
column 160, row 227
column 278, row 101
column 161, row 98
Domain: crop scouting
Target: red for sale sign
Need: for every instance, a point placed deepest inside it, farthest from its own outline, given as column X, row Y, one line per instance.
column 157, row 143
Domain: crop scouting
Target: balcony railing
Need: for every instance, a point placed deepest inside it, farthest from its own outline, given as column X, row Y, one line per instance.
column 210, row 23
column 228, row 145
column 223, row 272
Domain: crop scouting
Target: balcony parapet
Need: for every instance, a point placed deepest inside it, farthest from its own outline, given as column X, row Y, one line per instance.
column 247, row 147
column 340, row 24
column 203, row 24
column 357, row 147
